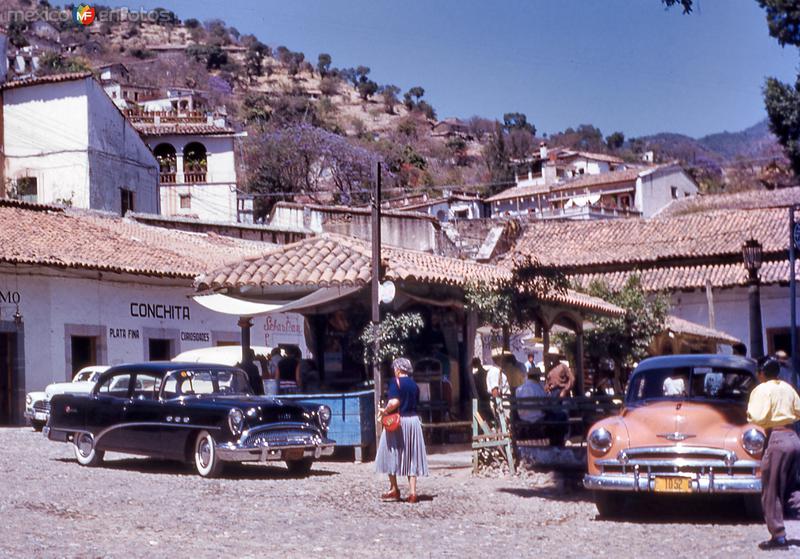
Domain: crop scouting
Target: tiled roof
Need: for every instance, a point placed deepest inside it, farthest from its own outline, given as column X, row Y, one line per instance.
column 750, row 199
column 331, row 260
column 150, row 129
column 675, row 278
column 64, row 238
column 54, row 78
column 628, row 243
column 687, row 328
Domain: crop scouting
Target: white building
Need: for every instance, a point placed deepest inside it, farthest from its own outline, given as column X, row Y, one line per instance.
column 630, row 192
column 79, row 288
column 197, row 166
column 64, row 141
column 450, row 207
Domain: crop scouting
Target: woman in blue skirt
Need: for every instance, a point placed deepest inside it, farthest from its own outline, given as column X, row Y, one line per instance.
column 402, row 452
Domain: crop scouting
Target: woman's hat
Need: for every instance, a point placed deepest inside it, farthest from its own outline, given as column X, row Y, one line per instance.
column 402, row 364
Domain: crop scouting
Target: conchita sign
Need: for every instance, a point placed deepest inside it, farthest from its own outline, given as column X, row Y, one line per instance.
column 157, row 310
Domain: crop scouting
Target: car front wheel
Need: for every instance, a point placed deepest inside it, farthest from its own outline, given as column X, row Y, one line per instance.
column 85, row 452
column 206, row 459
column 300, row 468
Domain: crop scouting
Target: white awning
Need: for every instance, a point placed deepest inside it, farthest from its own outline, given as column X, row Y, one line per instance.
column 221, row 303
column 582, row 200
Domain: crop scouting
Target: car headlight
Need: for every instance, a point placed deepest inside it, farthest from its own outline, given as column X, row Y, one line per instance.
column 236, row 420
column 324, row 413
column 753, row 441
column 28, row 400
column 601, row 440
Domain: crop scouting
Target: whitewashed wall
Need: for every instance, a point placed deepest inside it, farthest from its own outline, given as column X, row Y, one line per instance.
column 654, row 191
column 73, row 139
column 53, row 304
column 732, row 311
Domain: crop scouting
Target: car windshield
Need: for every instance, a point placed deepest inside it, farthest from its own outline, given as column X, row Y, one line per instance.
column 691, row 383
column 206, row 382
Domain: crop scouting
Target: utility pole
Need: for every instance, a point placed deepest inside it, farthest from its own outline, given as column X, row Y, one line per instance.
column 375, row 296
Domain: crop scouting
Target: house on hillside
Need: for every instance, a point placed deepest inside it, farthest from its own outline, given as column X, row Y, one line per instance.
column 64, row 141
column 451, row 206
column 630, row 192
column 552, row 165
column 197, row 168
column 115, row 79
column 696, row 258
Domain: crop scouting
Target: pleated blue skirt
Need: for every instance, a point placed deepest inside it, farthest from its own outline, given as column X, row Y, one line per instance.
column 402, row 451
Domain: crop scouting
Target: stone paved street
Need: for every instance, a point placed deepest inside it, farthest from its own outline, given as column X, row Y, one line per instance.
column 136, row 507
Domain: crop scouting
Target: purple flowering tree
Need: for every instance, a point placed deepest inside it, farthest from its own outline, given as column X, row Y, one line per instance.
column 310, row 161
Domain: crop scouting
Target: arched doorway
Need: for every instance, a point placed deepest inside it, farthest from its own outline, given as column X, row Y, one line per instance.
column 195, row 163
column 167, row 162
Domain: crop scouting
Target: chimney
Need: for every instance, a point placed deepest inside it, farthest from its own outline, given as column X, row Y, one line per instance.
column 542, row 150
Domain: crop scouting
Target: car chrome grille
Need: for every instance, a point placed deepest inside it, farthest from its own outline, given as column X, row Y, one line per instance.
column 279, row 438
column 677, row 460
column 42, row 406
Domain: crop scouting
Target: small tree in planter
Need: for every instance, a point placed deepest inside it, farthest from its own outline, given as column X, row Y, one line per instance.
column 391, row 334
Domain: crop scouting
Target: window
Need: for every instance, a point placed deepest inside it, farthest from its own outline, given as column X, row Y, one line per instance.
column 26, row 189
column 674, row 192
column 159, row 349
column 780, row 339
column 186, row 201
column 84, row 352
column 126, row 201
column 116, row 386
column 146, row 387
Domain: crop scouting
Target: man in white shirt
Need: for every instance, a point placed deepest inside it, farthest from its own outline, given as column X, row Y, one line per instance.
column 498, row 387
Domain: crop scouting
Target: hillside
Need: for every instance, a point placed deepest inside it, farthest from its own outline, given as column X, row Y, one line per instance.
column 264, row 88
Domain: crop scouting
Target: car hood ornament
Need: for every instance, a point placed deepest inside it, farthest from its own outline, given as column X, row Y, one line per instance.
column 675, row 437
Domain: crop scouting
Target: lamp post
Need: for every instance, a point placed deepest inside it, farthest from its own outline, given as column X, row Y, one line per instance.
column 752, row 254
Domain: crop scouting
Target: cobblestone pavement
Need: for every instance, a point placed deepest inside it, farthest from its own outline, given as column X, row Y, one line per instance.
column 137, row 507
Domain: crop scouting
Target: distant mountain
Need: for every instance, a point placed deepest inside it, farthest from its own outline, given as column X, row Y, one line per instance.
column 724, row 148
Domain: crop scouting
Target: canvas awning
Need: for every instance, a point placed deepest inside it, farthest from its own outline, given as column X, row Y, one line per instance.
column 222, row 303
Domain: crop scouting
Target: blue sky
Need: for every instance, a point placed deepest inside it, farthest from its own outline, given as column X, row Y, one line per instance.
column 625, row 65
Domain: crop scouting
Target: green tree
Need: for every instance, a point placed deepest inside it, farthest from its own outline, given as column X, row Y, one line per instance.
column 367, row 89
column 623, row 340
column 16, row 33
column 324, row 61
column 389, row 95
column 392, row 334
column 615, row 140
column 55, row 63
column 254, row 57
column 518, row 121
column 498, row 160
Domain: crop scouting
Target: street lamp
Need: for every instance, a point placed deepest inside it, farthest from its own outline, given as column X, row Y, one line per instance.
column 752, row 255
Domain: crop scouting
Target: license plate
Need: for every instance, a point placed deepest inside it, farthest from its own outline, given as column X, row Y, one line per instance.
column 293, row 454
column 40, row 416
column 673, row 485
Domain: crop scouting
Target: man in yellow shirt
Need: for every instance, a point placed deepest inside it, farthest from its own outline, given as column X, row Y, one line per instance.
column 775, row 406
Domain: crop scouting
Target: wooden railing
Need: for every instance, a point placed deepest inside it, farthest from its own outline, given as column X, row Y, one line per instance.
column 194, row 177
column 168, row 178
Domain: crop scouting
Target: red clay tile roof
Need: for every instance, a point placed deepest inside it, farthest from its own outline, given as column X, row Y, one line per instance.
column 582, row 245
column 692, row 329
column 750, row 199
column 150, row 129
column 50, row 236
column 54, row 78
column 334, row 260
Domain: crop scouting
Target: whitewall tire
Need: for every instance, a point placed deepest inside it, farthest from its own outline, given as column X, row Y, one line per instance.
column 85, row 452
column 206, row 460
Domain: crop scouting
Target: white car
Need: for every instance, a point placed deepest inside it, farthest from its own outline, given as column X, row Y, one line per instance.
column 37, row 404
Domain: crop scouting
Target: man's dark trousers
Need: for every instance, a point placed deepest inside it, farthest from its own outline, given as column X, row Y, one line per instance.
column 778, row 468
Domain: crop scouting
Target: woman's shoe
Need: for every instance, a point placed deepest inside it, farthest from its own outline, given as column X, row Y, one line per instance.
column 413, row 498
column 393, row 495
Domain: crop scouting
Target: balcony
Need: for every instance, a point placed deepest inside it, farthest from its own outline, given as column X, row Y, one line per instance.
column 168, row 178
column 194, row 178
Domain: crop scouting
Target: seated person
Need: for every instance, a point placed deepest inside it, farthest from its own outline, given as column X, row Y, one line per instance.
column 530, row 389
column 712, row 384
column 530, row 415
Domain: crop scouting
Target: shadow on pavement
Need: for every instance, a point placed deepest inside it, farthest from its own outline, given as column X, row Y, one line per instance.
column 549, row 493
column 647, row 509
column 231, row 471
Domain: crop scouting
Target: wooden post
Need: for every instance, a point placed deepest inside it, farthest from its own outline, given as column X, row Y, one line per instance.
column 245, row 323
column 375, row 284
column 579, row 372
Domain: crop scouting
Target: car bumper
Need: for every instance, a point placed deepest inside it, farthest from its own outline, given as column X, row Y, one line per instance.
column 32, row 415
column 276, row 443
column 645, row 483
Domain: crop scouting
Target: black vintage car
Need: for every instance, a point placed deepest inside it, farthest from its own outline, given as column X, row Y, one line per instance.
column 200, row 413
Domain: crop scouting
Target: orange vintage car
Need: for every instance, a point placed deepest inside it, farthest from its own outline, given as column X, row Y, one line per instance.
column 683, row 429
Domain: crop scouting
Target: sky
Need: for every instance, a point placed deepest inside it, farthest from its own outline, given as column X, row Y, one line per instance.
column 628, row 65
